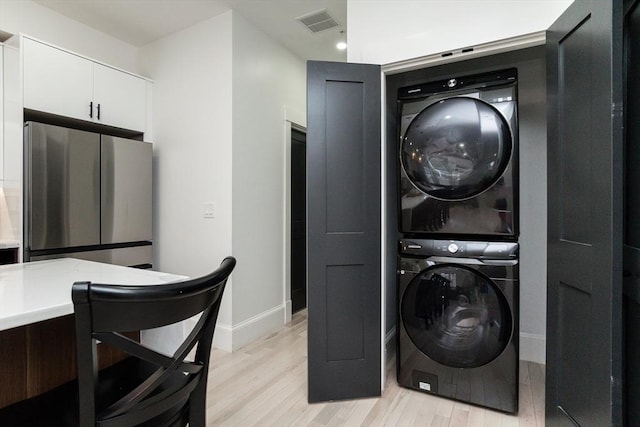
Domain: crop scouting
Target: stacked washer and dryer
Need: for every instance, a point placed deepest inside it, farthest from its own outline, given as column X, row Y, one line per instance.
column 458, row 255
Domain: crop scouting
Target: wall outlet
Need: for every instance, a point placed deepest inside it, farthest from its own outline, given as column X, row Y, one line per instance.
column 209, row 210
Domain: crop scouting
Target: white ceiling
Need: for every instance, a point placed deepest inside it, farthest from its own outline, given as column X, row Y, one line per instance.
column 139, row 22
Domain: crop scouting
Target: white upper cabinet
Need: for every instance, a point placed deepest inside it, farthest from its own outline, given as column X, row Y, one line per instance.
column 56, row 81
column 60, row 82
column 119, row 98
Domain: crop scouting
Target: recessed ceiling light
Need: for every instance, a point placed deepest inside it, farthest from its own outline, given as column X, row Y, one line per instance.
column 341, row 45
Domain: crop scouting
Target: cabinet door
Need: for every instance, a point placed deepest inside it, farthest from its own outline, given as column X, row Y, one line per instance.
column 343, row 216
column 585, row 214
column 57, row 82
column 120, row 98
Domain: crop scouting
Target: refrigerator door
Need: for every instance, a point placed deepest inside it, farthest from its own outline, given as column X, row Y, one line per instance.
column 126, row 190
column 62, row 187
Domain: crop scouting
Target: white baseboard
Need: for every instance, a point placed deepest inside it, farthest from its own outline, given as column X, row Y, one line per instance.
column 390, row 344
column 287, row 311
column 222, row 337
column 389, row 354
column 230, row 338
column 533, row 348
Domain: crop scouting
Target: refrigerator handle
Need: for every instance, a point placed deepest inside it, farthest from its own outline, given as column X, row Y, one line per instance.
column 27, row 192
column 91, row 109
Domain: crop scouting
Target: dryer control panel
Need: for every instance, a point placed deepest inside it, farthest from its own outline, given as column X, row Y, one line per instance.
column 459, row 248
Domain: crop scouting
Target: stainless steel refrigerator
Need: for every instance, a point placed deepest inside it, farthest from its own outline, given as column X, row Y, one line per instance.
column 87, row 196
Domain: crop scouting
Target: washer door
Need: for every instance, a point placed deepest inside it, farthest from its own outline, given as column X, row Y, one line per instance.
column 456, row 316
column 456, row 148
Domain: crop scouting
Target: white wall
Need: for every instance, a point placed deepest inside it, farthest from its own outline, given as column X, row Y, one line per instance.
column 220, row 90
column 267, row 78
column 387, row 31
column 28, row 17
column 192, row 148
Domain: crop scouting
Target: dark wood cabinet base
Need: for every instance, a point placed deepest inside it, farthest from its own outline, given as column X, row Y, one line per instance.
column 38, row 357
column 8, row 256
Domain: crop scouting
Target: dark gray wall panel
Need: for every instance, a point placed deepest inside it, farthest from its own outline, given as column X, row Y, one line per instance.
column 632, row 124
column 573, row 310
column 575, row 133
column 632, row 361
column 345, row 312
column 345, row 179
column 578, row 256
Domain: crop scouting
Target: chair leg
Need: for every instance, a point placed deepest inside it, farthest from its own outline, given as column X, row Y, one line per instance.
column 198, row 405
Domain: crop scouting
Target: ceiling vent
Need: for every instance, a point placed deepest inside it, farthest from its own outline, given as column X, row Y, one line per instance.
column 318, row 21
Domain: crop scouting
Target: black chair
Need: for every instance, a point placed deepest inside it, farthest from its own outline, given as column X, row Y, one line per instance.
column 148, row 389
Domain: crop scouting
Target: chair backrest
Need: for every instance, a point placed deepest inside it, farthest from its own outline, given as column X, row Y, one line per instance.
column 176, row 386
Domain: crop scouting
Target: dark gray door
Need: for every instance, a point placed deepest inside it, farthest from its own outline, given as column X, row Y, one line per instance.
column 343, row 216
column 631, row 257
column 584, row 306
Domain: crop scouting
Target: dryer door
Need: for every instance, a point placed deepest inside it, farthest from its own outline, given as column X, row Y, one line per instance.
column 456, row 316
column 456, row 148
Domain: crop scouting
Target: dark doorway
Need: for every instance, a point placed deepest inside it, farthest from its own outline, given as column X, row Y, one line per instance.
column 298, row 220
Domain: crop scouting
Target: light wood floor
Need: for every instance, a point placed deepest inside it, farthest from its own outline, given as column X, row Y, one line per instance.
column 265, row 384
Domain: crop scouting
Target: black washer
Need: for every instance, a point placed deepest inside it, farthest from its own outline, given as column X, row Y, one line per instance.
column 458, row 320
column 456, row 316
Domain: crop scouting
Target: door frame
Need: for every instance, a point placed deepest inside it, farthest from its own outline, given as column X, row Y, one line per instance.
column 388, row 247
column 292, row 119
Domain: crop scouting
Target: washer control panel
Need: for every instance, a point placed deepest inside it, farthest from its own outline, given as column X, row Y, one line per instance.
column 459, row 248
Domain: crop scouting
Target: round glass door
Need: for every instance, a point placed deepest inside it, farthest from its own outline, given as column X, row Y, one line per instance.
column 456, row 316
column 456, row 148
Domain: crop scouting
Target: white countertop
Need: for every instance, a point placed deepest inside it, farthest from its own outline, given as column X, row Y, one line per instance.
column 41, row 290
